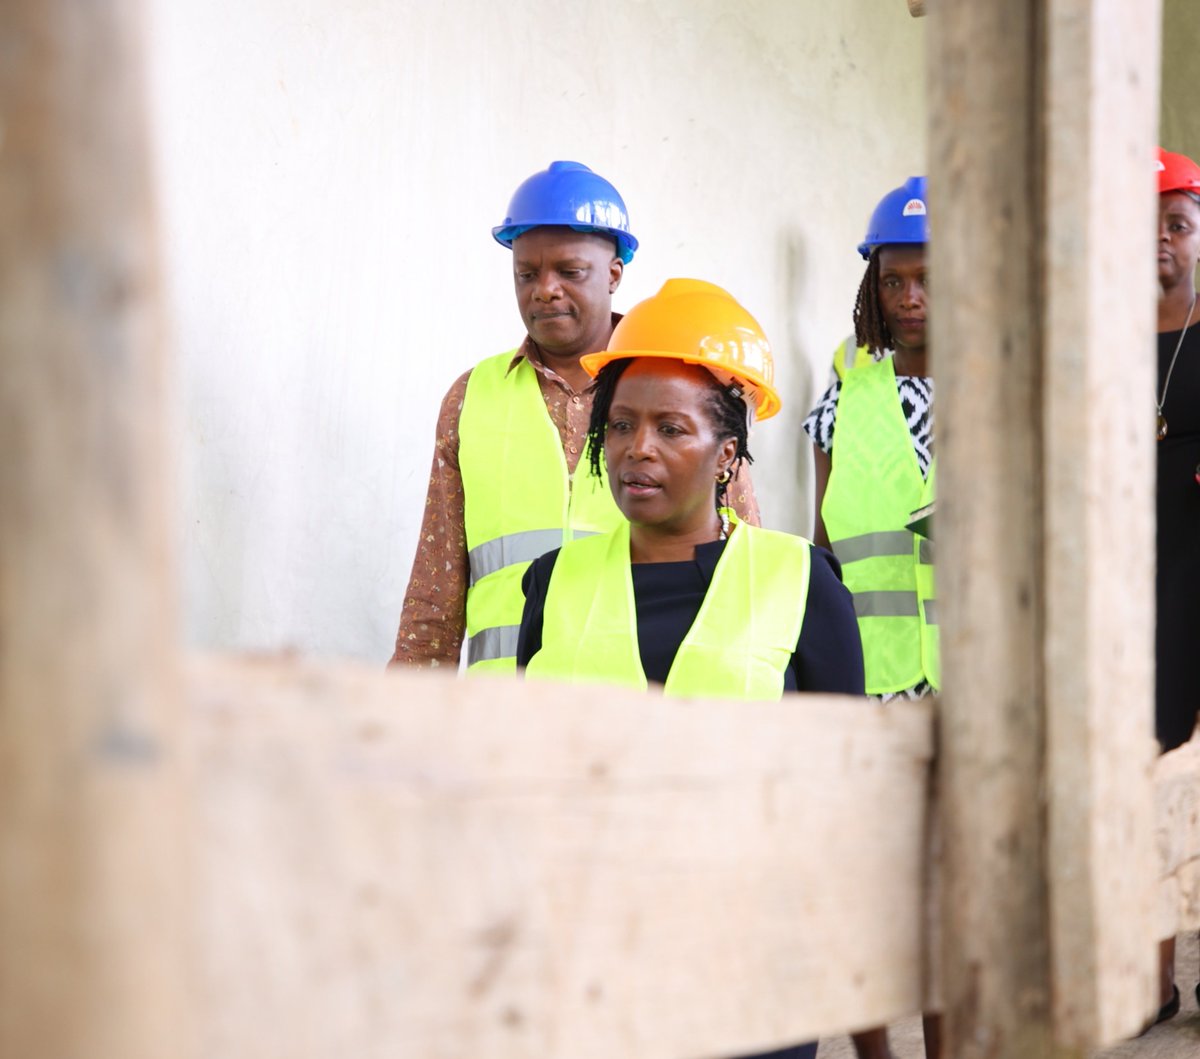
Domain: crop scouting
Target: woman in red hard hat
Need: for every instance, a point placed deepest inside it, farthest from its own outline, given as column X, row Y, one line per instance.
column 1177, row 400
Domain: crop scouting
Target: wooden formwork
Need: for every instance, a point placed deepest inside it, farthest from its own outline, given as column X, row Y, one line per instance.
column 473, row 868
column 210, row 856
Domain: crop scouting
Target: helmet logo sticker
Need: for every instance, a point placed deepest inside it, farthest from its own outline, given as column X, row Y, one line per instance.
column 1159, row 167
column 604, row 214
column 914, row 208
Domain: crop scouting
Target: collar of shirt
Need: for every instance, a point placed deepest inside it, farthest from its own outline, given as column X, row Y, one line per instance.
column 527, row 350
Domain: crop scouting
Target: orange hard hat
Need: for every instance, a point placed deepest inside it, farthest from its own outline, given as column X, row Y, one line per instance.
column 698, row 323
column 1176, row 172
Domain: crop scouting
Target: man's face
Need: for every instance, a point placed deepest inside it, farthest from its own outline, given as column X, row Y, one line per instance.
column 564, row 282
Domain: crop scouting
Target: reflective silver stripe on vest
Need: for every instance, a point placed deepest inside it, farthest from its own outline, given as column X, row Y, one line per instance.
column 500, row 552
column 851, row 347
column 931, row 612
column 524, row 547
column 925, row 554
column 500, row 641
column 872, row 545
column 886, row 604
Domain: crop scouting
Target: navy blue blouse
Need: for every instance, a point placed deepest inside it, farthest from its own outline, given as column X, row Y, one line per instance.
column 667, row 596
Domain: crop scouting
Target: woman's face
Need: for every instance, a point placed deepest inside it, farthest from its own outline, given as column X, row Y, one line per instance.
column 1178, row 238
column 661, row 447
column 902, row 294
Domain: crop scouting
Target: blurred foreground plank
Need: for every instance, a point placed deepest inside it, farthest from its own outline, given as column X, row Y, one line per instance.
column 405, row 864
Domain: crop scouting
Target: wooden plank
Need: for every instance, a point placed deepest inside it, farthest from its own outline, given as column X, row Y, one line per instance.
column 1177, row 833
column 405, row 861
column 984, row 207
column 1040, row 200
column 1101, row 84
column 91, row 964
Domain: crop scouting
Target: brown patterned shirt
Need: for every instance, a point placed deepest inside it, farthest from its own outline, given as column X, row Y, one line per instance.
column 434, row 619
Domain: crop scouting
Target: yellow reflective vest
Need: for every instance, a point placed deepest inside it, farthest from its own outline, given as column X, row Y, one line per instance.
column 519, row 501
column 874, row 485
column 847, row 355
column 738, row 646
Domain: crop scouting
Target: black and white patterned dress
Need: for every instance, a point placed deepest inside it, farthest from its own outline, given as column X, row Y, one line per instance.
column 916, row 401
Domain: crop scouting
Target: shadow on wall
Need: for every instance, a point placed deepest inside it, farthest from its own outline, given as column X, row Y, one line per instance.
column 800, row 393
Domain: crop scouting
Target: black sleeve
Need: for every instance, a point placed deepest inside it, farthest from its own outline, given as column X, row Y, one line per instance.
column 534, row 584
column 829, row 652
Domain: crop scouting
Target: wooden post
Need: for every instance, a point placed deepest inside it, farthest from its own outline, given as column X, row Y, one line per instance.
column 1040, row 188
column 90, row 958
column 1177, row 816
column 1098, row 372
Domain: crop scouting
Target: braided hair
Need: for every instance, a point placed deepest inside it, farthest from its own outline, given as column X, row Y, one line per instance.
column 870, row 327
column 727, row 416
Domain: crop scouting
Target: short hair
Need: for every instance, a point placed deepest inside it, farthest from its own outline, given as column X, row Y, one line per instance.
column 726, row 410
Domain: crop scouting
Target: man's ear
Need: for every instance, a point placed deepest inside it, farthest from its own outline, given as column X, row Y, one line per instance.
column 616, row 269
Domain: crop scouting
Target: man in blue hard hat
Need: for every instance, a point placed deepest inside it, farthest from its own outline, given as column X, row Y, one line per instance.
column 511, row 430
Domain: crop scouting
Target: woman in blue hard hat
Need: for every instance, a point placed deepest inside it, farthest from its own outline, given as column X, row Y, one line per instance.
column 1177, row 400
column 667, row 597
column 872, row 435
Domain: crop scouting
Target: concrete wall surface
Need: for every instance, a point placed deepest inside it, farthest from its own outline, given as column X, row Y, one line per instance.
column 329, row 171
column 1180, row 117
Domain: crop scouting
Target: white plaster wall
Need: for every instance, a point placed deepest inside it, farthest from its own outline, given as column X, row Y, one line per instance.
column 329, row 174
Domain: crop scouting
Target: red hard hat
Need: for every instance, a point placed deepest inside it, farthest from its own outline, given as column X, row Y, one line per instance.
column 1176, row 172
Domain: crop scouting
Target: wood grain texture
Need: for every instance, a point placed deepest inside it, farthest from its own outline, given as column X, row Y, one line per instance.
column 1177, row 833
column 91, row 962
column 402, row 864
column 985, row 332
column 1044, row 287
column 1101, row 82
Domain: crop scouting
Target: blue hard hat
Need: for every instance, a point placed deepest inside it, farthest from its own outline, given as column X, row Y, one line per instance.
column 900, row 217
column 571, row 195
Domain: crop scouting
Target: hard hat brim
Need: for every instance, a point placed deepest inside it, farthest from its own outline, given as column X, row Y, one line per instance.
column 767, row 401
column 627, row 245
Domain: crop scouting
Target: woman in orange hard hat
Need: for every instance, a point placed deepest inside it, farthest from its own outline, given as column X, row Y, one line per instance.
column 683, row 594
column 685, row 374
column 1177, row 401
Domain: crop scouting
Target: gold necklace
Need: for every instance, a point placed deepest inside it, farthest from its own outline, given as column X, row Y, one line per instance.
column 1162, row 419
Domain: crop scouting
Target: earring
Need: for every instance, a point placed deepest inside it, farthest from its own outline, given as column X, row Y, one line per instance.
column 724, row 476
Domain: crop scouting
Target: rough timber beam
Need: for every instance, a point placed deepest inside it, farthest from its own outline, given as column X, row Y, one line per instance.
column 497, row 870
column 91, row 958
column 1042, row 119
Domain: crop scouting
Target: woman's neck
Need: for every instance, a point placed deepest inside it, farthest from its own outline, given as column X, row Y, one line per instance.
column 1176, row 307
column 647, row 544
column 910, row 362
